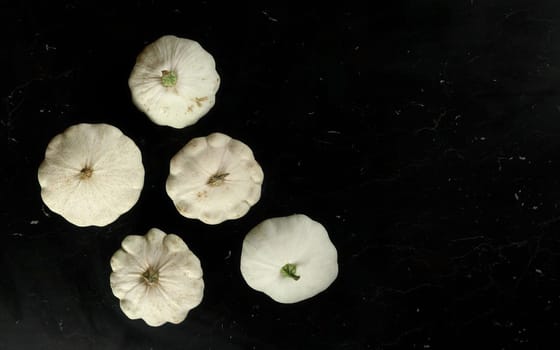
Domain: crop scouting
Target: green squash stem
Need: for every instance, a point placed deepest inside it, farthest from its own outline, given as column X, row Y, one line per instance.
column 289, row 270
column 168, row 78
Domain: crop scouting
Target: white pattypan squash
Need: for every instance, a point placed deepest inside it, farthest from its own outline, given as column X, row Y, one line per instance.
column 214, row 178
column 156, row 277
column 92, row 174
column 289, row 258
column 174, row 81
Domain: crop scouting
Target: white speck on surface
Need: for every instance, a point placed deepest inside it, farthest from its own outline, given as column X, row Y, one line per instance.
column 17, row 234
column 539, row 271
column 61, row 325
column 228, row 255
column 33, row 222
column 516, row 196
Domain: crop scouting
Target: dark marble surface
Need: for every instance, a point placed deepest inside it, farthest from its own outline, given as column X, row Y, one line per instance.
column 425, row 136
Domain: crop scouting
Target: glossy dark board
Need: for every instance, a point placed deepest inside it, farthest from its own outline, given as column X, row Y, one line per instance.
column 424, row 135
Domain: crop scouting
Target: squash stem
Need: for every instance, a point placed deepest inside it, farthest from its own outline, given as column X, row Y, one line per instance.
column 150, row 276
column 217, row 179
column 289, row 270
column 86, row 173
column 168, row 78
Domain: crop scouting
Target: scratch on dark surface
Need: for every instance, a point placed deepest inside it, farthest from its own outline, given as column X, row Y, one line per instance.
column 362, row 250
column 436, row 122
column 479, row 317
column 269, row 17
column 9, row 289
column 12, row 106
column 318, row 140
column 398, row 339
column 472, row 250
column 467, row 238
column 549, row 221
column 530, row 261
column 409, row 290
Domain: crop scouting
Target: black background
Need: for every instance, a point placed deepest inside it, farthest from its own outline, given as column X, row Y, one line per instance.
column 424, row 135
